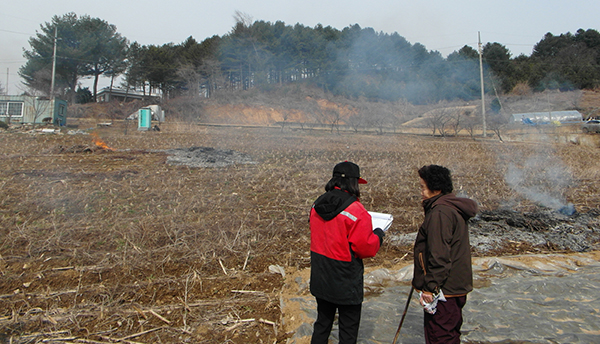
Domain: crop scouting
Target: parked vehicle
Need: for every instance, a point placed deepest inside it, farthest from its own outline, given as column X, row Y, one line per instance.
column 591, row 126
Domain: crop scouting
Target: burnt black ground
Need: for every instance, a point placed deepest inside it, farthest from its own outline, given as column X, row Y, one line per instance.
column 490, row 230
column 206, row 157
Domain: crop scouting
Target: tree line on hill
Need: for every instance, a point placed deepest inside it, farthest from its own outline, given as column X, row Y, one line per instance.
column 353, row 62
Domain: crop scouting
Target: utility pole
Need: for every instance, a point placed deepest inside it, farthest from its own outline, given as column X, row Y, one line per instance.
column 53, row 65
column 482, row 88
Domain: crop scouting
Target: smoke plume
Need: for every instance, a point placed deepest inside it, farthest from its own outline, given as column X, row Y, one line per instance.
column 542, row 178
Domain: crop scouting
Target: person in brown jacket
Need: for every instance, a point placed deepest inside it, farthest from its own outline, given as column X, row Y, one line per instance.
column 442, row 255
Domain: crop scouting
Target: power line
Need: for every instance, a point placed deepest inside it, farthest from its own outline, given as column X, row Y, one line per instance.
column 12, row 61
column 17, row 32
column 24, row 19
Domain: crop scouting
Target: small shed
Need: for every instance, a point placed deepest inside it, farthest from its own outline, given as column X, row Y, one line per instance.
column 546, row 117
column 146, row 115
column 33, row 110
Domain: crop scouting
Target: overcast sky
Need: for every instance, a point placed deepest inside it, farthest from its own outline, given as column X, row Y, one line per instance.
column 440, row 25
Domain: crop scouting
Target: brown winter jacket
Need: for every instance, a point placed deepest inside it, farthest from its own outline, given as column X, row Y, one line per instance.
column 442, row 250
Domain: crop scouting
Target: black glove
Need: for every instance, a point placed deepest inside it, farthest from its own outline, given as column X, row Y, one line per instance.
column 379, row 232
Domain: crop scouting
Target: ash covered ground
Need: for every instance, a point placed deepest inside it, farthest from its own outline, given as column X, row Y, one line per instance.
column 578, row 232
column 206, row 157
column 492, row 230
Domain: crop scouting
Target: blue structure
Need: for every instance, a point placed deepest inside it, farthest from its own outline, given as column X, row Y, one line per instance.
column 144, row 119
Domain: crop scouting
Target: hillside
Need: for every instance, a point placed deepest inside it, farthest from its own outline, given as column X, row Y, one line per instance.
column 305, row 108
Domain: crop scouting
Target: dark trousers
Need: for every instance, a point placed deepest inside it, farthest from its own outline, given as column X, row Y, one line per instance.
column 348, row 320
column 443, row 327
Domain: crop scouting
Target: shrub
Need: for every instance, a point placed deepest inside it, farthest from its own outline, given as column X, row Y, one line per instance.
column 522, row 89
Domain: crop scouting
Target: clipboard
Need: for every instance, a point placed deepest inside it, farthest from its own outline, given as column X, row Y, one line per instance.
column 381, row 220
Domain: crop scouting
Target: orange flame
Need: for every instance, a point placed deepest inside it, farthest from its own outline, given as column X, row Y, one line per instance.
column 99, row 143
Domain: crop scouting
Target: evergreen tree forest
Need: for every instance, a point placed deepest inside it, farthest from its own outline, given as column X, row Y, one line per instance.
column 353, row 62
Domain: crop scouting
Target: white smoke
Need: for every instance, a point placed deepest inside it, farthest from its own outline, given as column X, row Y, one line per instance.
column 542, row 179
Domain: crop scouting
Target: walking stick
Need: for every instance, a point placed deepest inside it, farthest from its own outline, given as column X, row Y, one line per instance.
column 403, row 314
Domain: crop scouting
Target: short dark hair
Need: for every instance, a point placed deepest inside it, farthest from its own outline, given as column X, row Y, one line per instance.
column 437, row 178
column 349, row 185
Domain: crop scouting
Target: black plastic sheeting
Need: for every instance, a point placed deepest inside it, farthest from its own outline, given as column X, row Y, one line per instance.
column 546, row 299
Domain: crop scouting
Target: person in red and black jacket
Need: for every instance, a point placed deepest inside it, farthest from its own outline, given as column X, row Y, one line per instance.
column 341, row 236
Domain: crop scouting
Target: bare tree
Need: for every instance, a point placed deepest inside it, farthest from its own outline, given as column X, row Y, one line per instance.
column 38, row 107
column 378, row 115
column 471, row 122
column 384, row 116
column 285, row 114
column 359, row 117
column 438, row 119
column 243, row 18
column 401, row 112
column 191, row 77
column 395, row 121
column 313, row 112
column 356, row 121
column 379, row 119
column 497, row 122
column 333, row 118
column 455, row 121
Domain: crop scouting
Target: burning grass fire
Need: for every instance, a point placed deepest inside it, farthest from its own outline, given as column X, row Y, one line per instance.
column 99, row 142
column 98, row 145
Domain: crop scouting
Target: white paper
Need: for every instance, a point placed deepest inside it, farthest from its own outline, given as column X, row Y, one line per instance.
column 381, row 220
column 431, row 308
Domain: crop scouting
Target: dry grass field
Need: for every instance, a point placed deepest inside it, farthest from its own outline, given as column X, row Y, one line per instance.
column 117, row 246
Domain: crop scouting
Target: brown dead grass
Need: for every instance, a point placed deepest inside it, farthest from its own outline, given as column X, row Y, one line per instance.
column 105, row 246
column 590, row 103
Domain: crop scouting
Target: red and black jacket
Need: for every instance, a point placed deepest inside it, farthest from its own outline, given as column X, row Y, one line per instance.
column 341, row 235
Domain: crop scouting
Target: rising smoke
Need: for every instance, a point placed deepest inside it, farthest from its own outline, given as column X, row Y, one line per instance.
column 542, row 179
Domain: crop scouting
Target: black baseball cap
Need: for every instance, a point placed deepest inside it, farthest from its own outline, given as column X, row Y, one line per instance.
column 348, row 169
